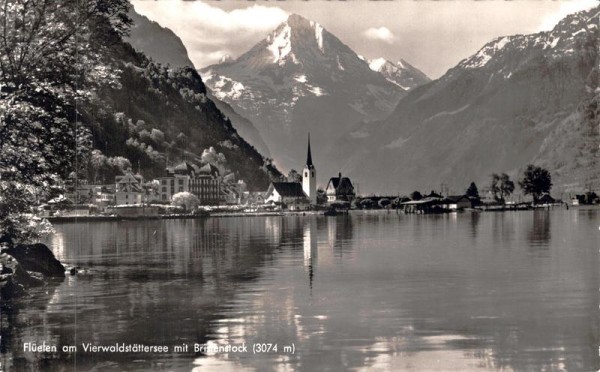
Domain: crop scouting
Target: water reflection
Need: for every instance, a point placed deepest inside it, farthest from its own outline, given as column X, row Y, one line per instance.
column 311, row 252
column 539, row 234
column 367, row 291
column 474, row 223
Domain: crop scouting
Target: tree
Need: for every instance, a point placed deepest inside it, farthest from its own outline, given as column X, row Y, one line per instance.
column 472, row 191
column 321, row 196
column 366, row 203
column 210, row 156
column 294, row 176
column 186, row 200
column 415, row 195
column 384, row 203
column 536, row 181
column 52, row 62
column 501, row 186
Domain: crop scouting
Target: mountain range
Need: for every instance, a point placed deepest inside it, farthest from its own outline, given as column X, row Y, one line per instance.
column 301, row 79
column 520, row 99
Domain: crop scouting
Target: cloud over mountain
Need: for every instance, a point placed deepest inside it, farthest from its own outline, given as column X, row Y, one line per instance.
column 380, row 33
column 219, row 33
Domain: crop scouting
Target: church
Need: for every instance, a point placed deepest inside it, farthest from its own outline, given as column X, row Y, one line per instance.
column 295, row 195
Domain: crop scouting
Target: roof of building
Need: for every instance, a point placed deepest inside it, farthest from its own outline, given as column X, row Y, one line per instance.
column 426, row 200
column 289, row 189
column 433, row 194
column 129, row 182
column 546, row 198
column 183, row 168
column 309, row 162
column 456, row 198
column 341, row 185
column 209, row 169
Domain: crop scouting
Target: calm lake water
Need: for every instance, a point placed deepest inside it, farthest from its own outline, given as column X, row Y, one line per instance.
column 370, row 291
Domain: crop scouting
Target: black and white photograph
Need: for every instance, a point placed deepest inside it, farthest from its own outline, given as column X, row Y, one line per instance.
column 261, row 185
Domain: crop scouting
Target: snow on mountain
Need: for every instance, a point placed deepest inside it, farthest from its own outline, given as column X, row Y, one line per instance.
column 519, row 99
column 400, row 73
column 302, row 78
column 377, row 64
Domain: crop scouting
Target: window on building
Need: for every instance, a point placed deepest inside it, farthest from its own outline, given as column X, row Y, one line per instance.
column 305, row 174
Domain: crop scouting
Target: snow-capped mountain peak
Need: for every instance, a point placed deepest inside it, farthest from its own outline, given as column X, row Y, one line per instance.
column 400, row 73
column 292, row 34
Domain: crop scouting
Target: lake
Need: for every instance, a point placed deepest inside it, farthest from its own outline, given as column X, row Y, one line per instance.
column 369, row 291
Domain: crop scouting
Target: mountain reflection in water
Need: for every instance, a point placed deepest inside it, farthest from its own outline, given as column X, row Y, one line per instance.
column 464, row 292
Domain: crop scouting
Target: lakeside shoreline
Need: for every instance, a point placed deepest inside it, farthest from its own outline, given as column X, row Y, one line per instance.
column 77, row 219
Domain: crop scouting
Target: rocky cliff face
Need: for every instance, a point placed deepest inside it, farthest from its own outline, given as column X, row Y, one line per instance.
column 519, row 99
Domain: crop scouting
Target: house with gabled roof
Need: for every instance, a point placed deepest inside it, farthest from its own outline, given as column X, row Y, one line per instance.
column 340, row 189
column 289, row 194
column 457, row 202
column 129, row 189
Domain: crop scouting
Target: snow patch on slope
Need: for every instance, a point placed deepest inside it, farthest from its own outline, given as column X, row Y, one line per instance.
column 318, row 35
column 300, row 78
column 280, row 45
column 377, row 64
column 485, row 54
column 226, row 87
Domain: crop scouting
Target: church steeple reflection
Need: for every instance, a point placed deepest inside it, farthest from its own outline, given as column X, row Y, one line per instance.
column 310, row 249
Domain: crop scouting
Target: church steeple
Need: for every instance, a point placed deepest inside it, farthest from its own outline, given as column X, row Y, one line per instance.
column 309, row 162
column 309, row 177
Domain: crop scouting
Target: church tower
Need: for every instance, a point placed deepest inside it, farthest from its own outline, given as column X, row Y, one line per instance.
column 309, row 177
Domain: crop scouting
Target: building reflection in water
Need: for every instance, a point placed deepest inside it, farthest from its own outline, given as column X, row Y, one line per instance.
column 474, row 223
column 539, row 235
column 311, row 252
column 365, row 292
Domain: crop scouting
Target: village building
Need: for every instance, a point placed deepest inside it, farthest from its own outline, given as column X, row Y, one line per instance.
column 456, row 202
column 340, row 189
column 428, row 204
column 545, row 198
column 203, row 182
column 288, row 194
column 129, row 189
column 309, row 177
column 99, row 195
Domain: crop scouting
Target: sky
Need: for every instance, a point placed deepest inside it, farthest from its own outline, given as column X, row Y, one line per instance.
column 431, row 35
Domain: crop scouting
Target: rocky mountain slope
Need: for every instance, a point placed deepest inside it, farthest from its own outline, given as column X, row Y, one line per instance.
column 519, row 99
column 156, row 116
column 302, row 79
column 157, row 42
column 400, row 73
column 163, row 46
